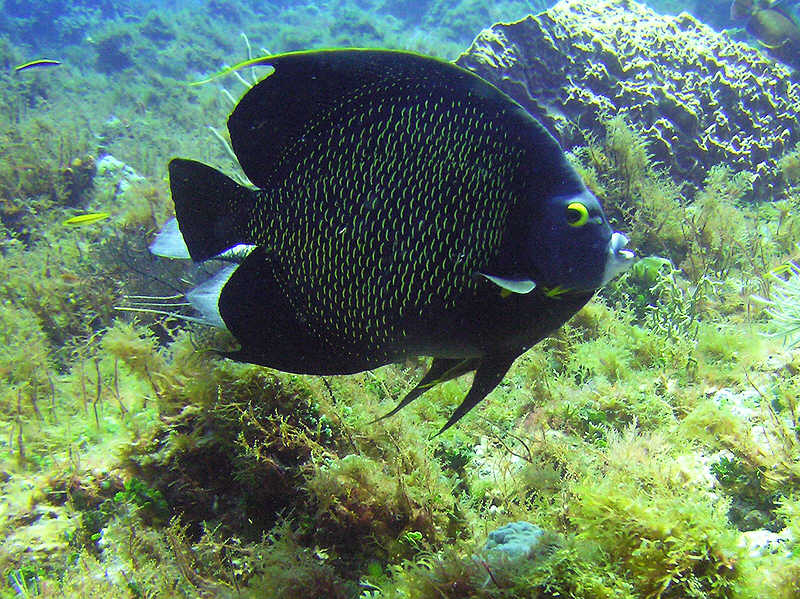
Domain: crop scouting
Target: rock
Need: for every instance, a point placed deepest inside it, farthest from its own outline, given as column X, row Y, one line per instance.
column 515, row 540
column 762, row 542
column 700, row 97
column 743, row 404
column 113, row 177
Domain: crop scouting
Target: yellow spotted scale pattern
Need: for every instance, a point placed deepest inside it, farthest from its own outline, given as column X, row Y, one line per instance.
column 381, row 217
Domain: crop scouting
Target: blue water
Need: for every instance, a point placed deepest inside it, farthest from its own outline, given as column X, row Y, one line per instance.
column 53, row 25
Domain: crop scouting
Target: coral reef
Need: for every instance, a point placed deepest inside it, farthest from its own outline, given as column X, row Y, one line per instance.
column 700, row 98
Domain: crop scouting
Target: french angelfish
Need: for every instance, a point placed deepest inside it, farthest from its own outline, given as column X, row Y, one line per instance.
column 403, row 207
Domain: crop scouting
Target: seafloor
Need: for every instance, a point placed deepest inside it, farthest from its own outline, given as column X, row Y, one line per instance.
column 653, row 443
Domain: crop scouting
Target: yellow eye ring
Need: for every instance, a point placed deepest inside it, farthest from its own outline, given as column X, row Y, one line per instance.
column 577, row 214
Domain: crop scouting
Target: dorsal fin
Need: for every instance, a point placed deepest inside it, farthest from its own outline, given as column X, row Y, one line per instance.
column 307, row 86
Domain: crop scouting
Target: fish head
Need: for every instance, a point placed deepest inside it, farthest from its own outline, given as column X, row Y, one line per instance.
column 572, row 247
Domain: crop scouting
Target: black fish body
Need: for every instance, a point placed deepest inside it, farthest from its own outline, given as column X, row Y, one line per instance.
column 404, row 207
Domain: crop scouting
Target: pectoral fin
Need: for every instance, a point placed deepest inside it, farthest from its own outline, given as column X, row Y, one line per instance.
column 512, row 284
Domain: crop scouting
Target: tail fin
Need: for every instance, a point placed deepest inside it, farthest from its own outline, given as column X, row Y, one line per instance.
column 212, row 209
column 169, row 242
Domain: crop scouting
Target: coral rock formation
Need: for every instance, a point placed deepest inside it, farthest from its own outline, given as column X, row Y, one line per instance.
column 700, row 97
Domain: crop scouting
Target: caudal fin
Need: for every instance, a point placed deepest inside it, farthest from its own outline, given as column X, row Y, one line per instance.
column 212, row 209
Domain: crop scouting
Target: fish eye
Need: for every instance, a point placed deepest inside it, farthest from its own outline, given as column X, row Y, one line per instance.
column 577, row 214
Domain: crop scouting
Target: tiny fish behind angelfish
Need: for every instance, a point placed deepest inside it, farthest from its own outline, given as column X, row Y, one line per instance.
column 86, row 219
column 404, row 207
column 774, row 25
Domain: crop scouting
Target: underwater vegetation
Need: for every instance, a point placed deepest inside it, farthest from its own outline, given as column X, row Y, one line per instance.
column 60, row 22
column 711, row 234
column 651, row 444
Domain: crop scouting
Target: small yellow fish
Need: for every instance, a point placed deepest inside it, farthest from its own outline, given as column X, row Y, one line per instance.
column 41, row 62
column 86, row 219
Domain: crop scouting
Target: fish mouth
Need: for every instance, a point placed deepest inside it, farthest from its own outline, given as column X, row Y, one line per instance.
column 618, row 259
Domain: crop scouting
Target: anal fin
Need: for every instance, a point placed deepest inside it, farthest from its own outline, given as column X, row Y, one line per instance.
column 488, row 375
column 441, row 370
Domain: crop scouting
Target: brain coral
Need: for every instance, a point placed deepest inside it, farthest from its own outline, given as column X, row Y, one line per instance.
column 700, row 97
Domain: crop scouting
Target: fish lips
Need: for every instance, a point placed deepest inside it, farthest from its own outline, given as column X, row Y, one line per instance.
column 618, row 259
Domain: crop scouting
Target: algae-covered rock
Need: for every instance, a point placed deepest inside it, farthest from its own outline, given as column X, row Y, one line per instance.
column 113, row 177
column 700, row 97
column 515, row 540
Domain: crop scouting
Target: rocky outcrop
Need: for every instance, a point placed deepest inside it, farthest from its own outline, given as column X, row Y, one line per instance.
column 700, row 97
